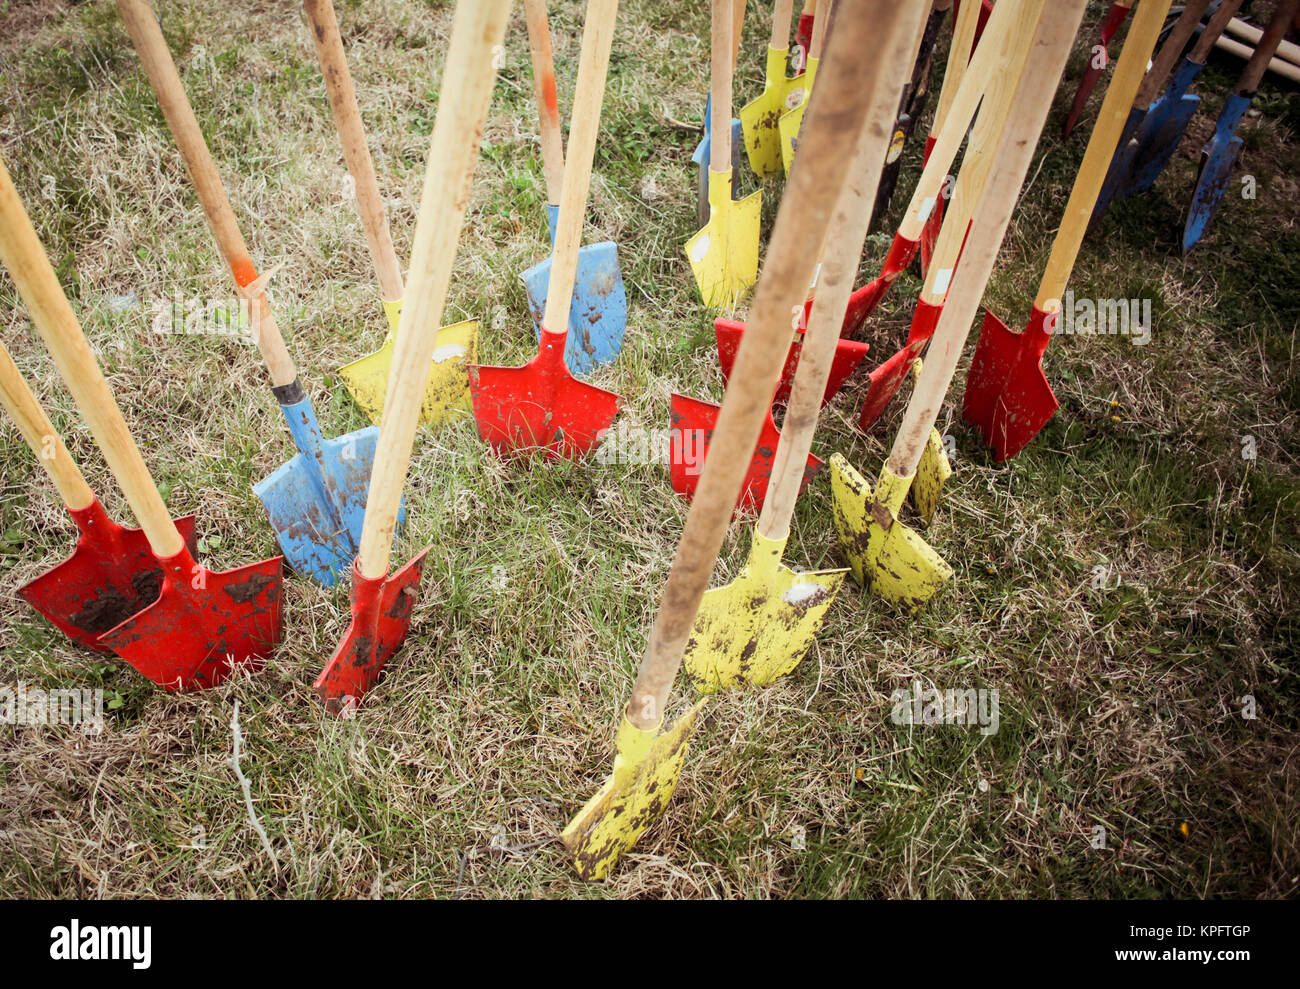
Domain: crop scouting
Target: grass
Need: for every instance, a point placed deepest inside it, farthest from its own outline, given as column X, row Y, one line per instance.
column 1123, row 583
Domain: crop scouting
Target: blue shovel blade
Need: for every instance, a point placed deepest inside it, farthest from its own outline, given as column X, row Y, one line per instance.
column 598, row 313
column 1162, row 130
column 701, row 159
column 1217, row 161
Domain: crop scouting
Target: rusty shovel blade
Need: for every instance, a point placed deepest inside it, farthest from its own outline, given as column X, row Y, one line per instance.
column 110, row 576
column 381, row 618
column 204, row 624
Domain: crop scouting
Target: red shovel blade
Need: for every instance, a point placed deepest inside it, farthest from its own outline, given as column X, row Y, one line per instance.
column 1007, row 396
column 540, row 407
column 888, row 377
column 863, row 302
column 692, row 430
column 848, row 355
column 381, row 617
column 111, row 575
column 204, row 623
column 1097, row 62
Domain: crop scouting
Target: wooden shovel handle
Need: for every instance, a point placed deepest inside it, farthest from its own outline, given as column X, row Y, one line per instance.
column 1218, row 22
column 1287, row 50
column 959, row 54
column 1175, row 42
column 23, row 407
column 21, row 251
column 780, row 37
column 1132, row 64
column 999, row 95
column 466, row 89
column 844, row 242
column 720, row 71
column 548, row 103
column 847, row 84
column 589, row 92
column 352, row 135
column 1266, row 47
column 1015, row 151
column 147, row 37
column 821, row 24
column 1287, row 70
column 737, row 25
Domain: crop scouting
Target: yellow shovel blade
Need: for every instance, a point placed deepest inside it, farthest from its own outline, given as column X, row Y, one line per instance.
column 758, row 627
column 724, row 255
column 887, row 557
column 447, row 392
column 797, row 102
column 646, row 767
column 931, row 476
column 760, row 118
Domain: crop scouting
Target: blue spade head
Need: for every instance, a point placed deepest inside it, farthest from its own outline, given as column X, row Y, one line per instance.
column 1218, row 158
column 598, row 313
column 1161, row 131
column 701, row 159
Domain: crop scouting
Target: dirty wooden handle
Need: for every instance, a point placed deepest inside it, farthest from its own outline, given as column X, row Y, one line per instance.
column 1213, row 31
column 1173, row 47
column 847, row 235
column 737, row 25
column 352, row 135
column 1130, row 68
column 147, row 37
column 1015, row 151
column 1265, row 47
column 848, row 82
column 720, row 71
column 1286, row 49
column 959, row 55
column 25, row 410
column 467, row 77
column 548, row 104
column 589, row 92
column 21, row 251
column 780, row 37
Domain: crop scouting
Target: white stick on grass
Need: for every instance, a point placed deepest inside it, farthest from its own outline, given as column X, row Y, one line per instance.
column 244, row 783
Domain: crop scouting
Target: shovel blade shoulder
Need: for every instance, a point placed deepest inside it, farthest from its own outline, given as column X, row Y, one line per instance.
column 1008, row 398
column 1159, row 137
column 447, row 392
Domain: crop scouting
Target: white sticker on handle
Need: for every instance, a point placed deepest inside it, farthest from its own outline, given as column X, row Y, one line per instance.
column 927, row 207
column 942, row 278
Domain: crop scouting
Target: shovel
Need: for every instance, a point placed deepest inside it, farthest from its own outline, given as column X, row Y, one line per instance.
column 203, row 623
column 648, row 760
column 759, row 117
column 1120, row 174
column 888, row 557
column 1007, row 395
column 1220, row 153
column 802, row 86
column 758, row 627
column 315, row 501
column 447, row 393
column 382, row 603
column 598, row 312
column 112, row 574
column 541, row 407
column 724, row 254
column 703, row 155
column 1098, row 59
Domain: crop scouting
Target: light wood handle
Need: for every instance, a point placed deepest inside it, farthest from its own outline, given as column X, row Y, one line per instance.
column 999, row 95
column 1015, row 151
column 720, row 88
column 1213, row 31
column 1169, row 52
column 589, row 92
column 25, row 410
column 147, row 37
column 1289, row 50
column 959, row 54
column 1132, row 64
column 548, row 101
column 780, row 38
column 1266, row 47
column 848, row 82
column 23, row 255
column 984, row 65
column 821, row 24
column 1285, row 69
column 845, row 239
column 466, row 89
column 737, row 25
column 352, row 135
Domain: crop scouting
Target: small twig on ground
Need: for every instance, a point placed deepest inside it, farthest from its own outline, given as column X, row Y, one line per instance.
column 244, row 784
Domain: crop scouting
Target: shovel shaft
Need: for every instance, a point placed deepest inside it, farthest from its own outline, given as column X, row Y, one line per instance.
column 1218, row 23
column 959, row 55
column 847, row 234
column 1266, row 47
column 150, row 45
column 1051, row 47
column 720, row 73
column 780, row 36
column 819, row 172
column 548, row 104
column 1287, row 50
column 21, row 251
column 466, row 89
column 1130, row 68
column 23, row 407
column 1169, row 52
column 352, row 135
column 589, row 91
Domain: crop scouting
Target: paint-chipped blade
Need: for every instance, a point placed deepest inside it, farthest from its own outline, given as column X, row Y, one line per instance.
column 598, row 313
column 760, row 117
column 848, row 355
column 759, row 627
column 381, row 619
column 111, row 575
column 1217, row 162
column 1008, row 398
column 724, row 255
column 888, row 559
column 931, row 475
column 863, row 302
column 447, row 393
column 317, row 505
column 647, row 765
column 791, row 121
column 1158, row 138
column 204, row 624
column 690, row 432
column 536, row 409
